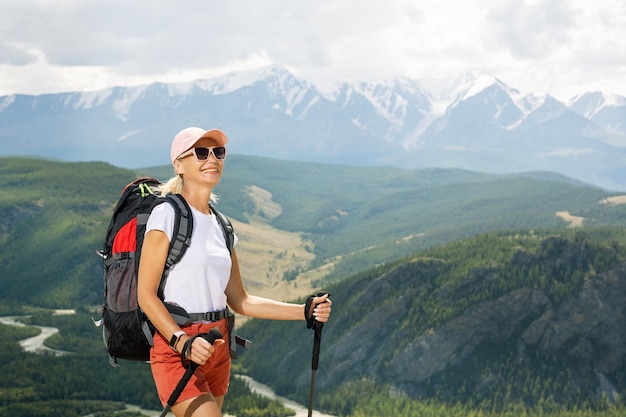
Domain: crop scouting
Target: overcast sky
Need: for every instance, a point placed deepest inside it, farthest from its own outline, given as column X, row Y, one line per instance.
column 563, row 47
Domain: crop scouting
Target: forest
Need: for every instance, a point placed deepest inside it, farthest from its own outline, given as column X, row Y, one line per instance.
column 83, row 382
column 531, row 320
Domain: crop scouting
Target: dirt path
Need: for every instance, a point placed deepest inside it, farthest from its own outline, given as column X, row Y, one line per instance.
column 574, row 221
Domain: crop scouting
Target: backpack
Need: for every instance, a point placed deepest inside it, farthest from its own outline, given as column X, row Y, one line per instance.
column 127, row 332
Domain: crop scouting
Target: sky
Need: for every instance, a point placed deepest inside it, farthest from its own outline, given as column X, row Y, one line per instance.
column 560, row 47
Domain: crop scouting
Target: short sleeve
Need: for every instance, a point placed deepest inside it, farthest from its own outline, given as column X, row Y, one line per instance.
column 162, row 218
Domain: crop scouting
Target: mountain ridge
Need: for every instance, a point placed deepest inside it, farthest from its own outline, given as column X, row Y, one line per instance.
column 474, row 121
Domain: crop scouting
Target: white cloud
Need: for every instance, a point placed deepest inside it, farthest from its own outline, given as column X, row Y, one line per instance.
column 560, row 47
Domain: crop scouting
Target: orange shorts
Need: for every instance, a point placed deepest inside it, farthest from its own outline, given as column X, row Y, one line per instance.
column 212, row 377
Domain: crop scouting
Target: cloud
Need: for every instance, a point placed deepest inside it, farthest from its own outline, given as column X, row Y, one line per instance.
column 534, row 45
column 531, row 30
column 15, row 55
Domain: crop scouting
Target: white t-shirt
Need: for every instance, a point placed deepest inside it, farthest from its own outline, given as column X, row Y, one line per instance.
column 198, row 281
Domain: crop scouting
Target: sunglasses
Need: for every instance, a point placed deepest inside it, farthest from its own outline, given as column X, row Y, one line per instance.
column 202, row 154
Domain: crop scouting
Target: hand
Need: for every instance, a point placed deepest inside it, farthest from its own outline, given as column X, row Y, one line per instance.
column 321, row 308
column 201, row 350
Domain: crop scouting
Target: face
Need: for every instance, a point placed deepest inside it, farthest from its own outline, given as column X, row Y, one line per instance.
column 207, row 172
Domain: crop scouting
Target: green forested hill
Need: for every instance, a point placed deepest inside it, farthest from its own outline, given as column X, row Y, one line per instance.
column 52, row 219
column 501, row 321
column 373, row 215
column 54, row 214
column 502, row 324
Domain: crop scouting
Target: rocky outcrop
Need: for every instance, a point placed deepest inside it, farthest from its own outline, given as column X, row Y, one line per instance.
column 581, row 333
column 467, row 323
column 456, row 341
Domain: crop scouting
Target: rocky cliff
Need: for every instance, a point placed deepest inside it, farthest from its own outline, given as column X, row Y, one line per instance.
column 546, row 321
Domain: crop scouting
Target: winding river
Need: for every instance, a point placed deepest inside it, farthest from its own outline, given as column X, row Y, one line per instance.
column 37, row 345
column 257, row 387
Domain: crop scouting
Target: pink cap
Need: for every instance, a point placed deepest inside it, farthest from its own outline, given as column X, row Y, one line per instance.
column 186, row 138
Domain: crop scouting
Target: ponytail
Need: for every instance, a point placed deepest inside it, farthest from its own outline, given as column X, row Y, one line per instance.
column 175, row 186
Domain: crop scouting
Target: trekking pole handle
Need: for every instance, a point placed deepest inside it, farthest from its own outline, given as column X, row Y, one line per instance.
column 308, row 315
column 210, row 337
column 317, row 339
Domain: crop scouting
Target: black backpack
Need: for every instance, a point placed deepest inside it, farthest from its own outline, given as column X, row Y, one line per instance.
column 127, row 332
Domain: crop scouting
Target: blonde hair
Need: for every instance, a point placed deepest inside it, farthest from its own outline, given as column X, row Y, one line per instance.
column 175, row 186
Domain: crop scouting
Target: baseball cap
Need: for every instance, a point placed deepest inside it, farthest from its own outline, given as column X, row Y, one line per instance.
column 186, row 138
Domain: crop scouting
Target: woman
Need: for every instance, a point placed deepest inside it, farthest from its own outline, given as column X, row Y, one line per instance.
column 207, row 279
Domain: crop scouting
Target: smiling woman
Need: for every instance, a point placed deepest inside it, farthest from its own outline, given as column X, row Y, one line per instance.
column 192, row 371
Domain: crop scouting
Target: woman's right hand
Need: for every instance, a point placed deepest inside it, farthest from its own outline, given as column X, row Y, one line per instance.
column 200, row 350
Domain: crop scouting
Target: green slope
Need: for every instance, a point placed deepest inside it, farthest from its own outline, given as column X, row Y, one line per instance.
column 54, row 214
column 533, row 319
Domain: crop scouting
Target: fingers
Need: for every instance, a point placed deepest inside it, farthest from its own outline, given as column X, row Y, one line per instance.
column 322, row 308
column 201, row 350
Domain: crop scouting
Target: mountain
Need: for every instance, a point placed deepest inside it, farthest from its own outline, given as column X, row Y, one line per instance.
column 607, row 110
column 474, row 122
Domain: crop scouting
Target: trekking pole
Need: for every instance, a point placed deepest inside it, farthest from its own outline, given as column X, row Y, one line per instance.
column 210, row 337
column 317, row 339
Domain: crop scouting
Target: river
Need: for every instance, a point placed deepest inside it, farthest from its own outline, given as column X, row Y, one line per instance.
column 264, row 390
column 37, row 345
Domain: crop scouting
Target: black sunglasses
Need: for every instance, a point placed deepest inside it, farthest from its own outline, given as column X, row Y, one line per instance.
column 202, row 154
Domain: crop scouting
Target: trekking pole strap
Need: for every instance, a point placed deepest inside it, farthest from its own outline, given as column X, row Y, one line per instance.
column 187, row 363
column 210, row 337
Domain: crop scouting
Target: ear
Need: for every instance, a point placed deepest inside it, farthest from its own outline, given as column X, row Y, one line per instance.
column 178, row 169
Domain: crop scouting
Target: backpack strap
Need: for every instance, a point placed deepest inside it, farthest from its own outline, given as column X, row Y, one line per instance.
column 227, row 226
column 181, row 239
column 181, row 235
column 183, row 227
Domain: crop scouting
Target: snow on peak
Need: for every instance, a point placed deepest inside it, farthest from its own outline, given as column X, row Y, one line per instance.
column 589, row 104
column 233, row 81
column 6, row 102
column 473, row 83
column 386, row 98
column 122, row 105
column 91, row 99
column 530, row 102
column 614, row 100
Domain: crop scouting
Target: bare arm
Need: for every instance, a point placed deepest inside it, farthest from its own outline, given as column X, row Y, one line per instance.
column 152, row 263
column 265, row 308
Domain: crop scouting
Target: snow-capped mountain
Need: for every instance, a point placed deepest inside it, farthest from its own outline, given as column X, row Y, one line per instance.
column 474, row 121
